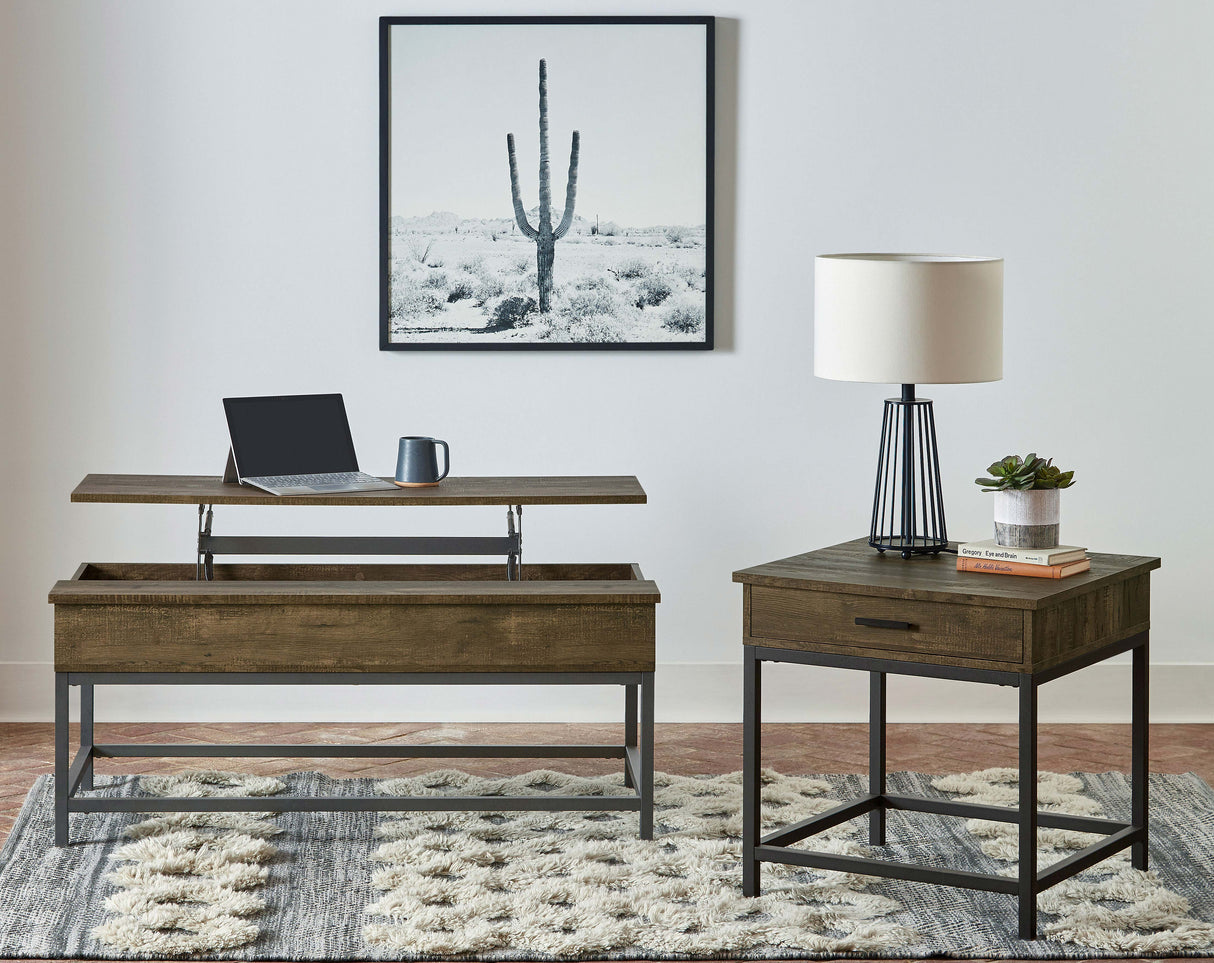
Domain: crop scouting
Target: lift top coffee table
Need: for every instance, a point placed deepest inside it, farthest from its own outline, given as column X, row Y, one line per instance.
column 204, row 623
column 849, row 607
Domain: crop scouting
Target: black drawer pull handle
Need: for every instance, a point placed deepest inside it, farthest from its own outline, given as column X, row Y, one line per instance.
column 884, row 624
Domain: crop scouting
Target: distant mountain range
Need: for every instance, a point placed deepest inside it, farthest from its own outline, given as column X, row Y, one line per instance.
column 447, row 222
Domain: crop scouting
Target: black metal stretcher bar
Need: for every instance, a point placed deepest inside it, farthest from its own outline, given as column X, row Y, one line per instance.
column 1030, row 882
column 637, row 750
column 509, row 545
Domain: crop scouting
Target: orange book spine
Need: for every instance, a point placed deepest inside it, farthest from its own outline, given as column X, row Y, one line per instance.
column 1022, row 568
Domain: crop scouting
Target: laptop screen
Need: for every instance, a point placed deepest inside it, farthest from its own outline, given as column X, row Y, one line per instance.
column 290, row 435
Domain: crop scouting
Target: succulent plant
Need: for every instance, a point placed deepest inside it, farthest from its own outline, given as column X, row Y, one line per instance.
column 1050, row 475
column 1013, row 473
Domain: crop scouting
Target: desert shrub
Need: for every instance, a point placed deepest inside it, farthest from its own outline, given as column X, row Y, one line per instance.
column 472, row 265
column 487, row 286
column 462, row 287
column 525, row 284
column 632, row 268
column 513, row 312
column 597, row 329
column 575, row 305
column 420, row 248
column 601, row 311
column 593, row 282
column 676, row 234
column 683, row 317
column 407, row 299
column 435, row 279
column 652, row 290
column 609, row 229
column 690, row 275
column 553, row 327
column 521, row 265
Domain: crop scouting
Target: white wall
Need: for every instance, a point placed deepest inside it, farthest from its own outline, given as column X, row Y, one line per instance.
column 188, row 210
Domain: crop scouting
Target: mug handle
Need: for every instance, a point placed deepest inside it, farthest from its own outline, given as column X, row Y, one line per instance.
column 446, row 459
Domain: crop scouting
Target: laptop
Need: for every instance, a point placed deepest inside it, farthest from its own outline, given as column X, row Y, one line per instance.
column 296, row 445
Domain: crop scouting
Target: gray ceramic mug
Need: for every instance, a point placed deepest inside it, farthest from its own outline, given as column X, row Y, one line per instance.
column 417, row 462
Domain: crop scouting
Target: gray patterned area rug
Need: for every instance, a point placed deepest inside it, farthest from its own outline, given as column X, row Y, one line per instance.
column 578, row 886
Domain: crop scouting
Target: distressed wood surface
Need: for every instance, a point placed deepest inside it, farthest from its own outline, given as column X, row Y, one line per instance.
column 519, row 490
column 810, row 603
column 453, row 617
column 855, row 568
column 1086, row 622
column 365, row 584
column 465, row 637
column 791, row 618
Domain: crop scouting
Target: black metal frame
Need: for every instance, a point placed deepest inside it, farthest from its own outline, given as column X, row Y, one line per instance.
column 209, row 545
column 773, row 848
column 908, row 457
column 385, row 154
column 636, row 752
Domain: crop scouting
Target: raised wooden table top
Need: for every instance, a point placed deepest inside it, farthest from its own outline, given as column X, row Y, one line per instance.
column 854, row 568
column 487, row 490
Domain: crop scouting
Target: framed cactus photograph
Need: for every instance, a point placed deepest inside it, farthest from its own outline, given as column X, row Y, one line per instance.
column 546, row 182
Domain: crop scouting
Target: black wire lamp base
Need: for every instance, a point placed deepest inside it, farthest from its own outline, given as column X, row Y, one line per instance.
column 908, row 505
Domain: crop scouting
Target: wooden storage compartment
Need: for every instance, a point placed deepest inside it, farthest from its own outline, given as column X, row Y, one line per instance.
column 144, row 617
column 784, row 617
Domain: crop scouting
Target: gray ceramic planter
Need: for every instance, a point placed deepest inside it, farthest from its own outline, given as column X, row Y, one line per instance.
column 1027, row 519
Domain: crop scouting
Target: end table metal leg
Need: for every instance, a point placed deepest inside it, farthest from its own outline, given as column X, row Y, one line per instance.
column 61, row 749
column 86, row 732
column 1028, row 808
column 1140, row 752
column 646, row 773
column 876, row 755
column 752, row 750
column 630, row 727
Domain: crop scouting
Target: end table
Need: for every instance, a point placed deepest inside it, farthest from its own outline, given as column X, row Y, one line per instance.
column 849, row 607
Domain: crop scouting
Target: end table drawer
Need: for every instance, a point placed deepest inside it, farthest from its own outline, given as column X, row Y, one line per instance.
column 930, row 628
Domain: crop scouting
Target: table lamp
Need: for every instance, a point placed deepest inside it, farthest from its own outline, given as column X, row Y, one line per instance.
column 908, row 319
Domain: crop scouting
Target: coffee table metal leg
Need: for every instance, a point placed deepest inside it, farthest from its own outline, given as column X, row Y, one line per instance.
column 1140, row 741
column 646, row 774
column 630, row 727
column 86, row 733
column 876, row 755
column 1028, row 807
column 61, row 765
column 752, row 751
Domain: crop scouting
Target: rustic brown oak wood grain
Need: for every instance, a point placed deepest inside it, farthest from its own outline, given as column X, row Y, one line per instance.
column 1082, row 623
column 521, row 490
column 855, row 568
column 350, row 625
column 354, row 638
column 810, row 603
column 939, row 628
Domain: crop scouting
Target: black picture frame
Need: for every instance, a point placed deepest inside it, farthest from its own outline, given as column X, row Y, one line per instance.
column 387, row 318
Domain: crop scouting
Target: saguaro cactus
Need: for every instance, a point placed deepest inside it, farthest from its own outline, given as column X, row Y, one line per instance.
column 545, row 236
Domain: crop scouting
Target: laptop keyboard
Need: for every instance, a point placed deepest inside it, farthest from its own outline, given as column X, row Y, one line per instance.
column 321, row 481
column 324, row 478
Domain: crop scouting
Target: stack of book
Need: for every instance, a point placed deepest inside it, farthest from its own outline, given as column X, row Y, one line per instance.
column 1057, row 562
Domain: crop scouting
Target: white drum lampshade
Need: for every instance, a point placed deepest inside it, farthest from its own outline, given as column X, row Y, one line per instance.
column 908, row 319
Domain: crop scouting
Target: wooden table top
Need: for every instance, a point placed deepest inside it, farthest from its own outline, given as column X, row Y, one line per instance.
column 472, row 490
column 854, row 568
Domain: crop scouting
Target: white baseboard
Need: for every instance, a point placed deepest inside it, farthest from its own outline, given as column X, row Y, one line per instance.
column 687, row 692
